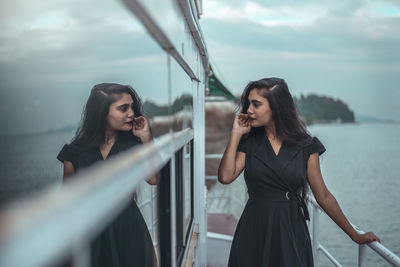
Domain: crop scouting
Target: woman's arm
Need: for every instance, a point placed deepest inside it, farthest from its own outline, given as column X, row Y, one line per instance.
column 153, row 180
column 69, row 169
column 329, row 204
column 232, row 162
column 141, row 129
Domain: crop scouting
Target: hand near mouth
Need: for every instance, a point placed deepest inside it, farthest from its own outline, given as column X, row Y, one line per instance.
column 241, row 124
column 141, row 129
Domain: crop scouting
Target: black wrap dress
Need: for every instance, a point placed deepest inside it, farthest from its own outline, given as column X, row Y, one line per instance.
column 126, row 241
column 272, row 230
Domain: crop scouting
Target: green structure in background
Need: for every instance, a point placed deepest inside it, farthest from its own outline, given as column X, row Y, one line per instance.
column 218, row 89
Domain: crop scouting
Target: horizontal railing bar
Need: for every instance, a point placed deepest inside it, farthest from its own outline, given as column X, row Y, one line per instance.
column 220, row 197
column 214, row 156
column 385, row 253
column 380, row 249
column 218, row 236
column 182, row 138
column 34, row 228
column 195, row 30
column 211, row 177
column 158, row 35
column 329, row 256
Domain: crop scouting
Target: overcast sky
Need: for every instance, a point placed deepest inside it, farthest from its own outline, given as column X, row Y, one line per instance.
column 344, row 49
column 53, row 51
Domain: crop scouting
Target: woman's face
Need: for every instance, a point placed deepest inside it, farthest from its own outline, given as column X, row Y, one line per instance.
column 260, row 114
column 120, row 114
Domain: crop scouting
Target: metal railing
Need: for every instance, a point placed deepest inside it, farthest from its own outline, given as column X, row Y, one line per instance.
column 377, row 247
column 44, row 229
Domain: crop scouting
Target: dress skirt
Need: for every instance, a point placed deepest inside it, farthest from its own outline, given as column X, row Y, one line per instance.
column 126, row 242
column 271, row 234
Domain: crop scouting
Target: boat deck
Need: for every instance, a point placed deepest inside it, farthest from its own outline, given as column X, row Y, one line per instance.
column 218, row 250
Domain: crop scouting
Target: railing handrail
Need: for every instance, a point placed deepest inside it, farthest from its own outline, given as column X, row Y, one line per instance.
column 155, row 30
column 378, row 248
column 214, row 155
column 50, row 220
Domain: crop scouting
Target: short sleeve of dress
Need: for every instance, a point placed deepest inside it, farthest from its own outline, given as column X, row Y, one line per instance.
column 242, row 145
column 67, row 153
column 316, row 146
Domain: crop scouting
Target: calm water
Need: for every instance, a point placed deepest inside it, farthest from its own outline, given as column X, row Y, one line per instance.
column 28, row 163
column 361, row 168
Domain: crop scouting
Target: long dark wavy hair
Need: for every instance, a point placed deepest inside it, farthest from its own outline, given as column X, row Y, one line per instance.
column 289, row 128
column 91, row 132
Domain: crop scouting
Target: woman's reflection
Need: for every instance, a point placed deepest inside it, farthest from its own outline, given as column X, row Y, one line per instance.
column 113, row 122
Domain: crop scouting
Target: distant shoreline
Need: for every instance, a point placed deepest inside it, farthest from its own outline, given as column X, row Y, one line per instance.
column 73, row 128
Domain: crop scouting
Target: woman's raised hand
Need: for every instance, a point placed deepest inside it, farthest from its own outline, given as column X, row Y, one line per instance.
column 241, row 124
column 141, row 129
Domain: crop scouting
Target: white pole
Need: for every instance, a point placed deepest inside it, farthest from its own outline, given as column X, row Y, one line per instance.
column 200, row 211
column 315, row 235
column 362, row 255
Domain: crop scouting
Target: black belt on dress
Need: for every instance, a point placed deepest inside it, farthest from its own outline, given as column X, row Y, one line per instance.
column 285, row 196
column 302, row 207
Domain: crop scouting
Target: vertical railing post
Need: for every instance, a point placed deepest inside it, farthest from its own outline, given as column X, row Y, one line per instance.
column 315, row 234
column 362, row 256
column 173, row 211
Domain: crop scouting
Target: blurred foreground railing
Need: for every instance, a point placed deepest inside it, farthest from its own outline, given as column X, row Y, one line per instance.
column 230, row 196
column 46, row 229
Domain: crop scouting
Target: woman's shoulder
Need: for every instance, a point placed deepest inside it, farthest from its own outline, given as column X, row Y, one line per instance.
column 250, row 140
column 68, row 152
column 71, row 151
column 314, row 146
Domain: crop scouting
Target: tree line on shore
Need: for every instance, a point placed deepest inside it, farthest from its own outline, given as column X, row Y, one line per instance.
column 322, row 109
column 312, row 108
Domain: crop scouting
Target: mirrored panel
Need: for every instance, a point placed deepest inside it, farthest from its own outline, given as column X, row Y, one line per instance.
column 188, row 198
column 74, row 73
column 172, row 22
column 181, row 98
column 181, row 118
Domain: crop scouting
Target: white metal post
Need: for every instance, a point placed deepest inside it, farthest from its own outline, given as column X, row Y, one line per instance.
column 173, row 210
column 199, row 171
column 315, row 235
column 362, row 255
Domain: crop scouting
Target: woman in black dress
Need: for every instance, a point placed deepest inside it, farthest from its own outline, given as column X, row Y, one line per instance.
column 279, row 159
column 113, row 122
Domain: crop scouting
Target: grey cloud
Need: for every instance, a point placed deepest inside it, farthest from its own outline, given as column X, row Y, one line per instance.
column 341, row 54
column 46, row 73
